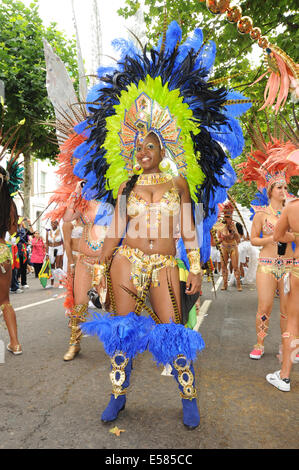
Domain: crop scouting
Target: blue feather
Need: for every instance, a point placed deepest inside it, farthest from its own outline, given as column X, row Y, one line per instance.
column 182, row 253
column 237, row 109
column 104, row 214
column 231, row 136
column 173, row 36
column 126, row 333
column 80, row 128
column 206, row 57
column 83, row 149
column 192, row 42
column 168, row 340
column 126, row 48
column 103, row 71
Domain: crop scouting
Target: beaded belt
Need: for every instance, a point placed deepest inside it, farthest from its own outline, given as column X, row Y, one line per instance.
column 278, row 267
column 145, row 267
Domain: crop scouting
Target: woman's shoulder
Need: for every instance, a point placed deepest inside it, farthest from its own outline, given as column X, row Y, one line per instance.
column 261, row 210
column 181, row 183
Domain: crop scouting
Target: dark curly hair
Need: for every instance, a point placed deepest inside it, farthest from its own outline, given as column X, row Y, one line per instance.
column 126, row 192
column 5, row 204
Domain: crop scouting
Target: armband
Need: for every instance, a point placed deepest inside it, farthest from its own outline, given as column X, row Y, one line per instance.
column 194, row 261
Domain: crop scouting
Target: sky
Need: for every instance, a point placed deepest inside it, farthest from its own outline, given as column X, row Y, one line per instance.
column 112, row 25
column 60, row 11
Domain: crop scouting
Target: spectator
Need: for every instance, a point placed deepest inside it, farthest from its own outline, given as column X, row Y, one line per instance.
column 12, row 242
column 24, row 230
column 38, row 252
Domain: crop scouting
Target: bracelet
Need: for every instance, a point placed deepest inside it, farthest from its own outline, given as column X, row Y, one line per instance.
column 75, row 195
column 99, row 271
column 194, row 261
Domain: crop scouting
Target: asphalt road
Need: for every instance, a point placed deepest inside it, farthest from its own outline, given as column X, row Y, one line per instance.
column 47, row 403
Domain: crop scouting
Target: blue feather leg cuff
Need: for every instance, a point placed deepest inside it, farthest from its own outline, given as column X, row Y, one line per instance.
column 126, row 333
column 168, row 340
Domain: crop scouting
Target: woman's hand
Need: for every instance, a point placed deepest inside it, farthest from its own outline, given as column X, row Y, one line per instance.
column 193, row 284
column 270, row 240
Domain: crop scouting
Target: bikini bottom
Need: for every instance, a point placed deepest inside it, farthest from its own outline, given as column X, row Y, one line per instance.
column 277, row 267
column 145, row 274
column 145, row 268
column 229, row 249
column 295, row 268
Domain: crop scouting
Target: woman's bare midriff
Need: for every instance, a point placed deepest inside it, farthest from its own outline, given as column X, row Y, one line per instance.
column 271, row 251
column 153, row 241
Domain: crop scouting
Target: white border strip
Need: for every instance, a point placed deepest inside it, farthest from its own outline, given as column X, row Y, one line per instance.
column 202, row 313
column 36, row 303
column 217, row 284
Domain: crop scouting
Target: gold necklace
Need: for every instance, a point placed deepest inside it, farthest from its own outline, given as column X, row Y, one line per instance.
column 153, row 178
column 275, row 213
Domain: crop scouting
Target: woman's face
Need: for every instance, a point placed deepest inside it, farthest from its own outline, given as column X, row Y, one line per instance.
column 279, row 192
column 228, row 219
column 149, row 154
column 54, row 225
column 36, row 234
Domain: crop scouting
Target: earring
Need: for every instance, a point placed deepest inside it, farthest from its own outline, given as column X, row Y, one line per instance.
column 137, row 169
column 164, row 165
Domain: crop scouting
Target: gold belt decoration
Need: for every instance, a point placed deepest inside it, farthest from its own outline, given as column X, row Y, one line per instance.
column 295, row 268
column 145, row 267
column 89, row 261
column 5, row 256
column 277, row 267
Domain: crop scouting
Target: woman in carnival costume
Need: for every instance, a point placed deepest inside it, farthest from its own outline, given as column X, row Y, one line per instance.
column 229, row 238
column 289, row 221
column 86, row 236
column 151, row 110
column 10, row 182
column 269, row 166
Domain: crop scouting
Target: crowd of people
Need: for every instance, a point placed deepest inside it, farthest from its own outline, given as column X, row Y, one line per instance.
column 119, row 159
column 29, row 251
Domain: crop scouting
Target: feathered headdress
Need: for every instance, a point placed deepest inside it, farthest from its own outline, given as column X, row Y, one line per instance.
column 269, row 162
column 14, row 171
column 226, row 209
column 165, row 90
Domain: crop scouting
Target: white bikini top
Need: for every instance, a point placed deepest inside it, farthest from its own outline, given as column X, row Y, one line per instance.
column 77, row 231
column 55, row 236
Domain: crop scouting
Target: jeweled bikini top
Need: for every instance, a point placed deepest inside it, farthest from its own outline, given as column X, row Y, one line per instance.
column 169, row 204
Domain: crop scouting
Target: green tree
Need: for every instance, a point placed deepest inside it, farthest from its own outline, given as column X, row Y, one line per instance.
column 23, row 71
column 278, row 21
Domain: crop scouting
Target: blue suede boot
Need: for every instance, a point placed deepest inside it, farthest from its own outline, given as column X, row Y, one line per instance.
column 123, row 337
column 183, row 372
column 120, row 377
column 172, row 343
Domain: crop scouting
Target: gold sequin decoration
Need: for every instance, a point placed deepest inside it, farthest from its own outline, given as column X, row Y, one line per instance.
column 118, row 370
column 189, row 392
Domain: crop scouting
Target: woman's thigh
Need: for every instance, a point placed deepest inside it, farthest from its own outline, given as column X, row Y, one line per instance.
column 5, row 281
column 82, row 283
column 160, row 297
column 225, row 259
column 59, row 261
column 235, row 258
column 266, row 286
column 120, row 273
